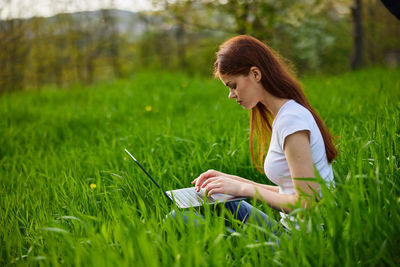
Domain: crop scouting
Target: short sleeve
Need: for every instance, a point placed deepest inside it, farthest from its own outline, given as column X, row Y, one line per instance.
column 289, row 124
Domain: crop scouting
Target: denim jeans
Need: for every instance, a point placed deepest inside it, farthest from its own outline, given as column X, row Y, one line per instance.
column 242, row 211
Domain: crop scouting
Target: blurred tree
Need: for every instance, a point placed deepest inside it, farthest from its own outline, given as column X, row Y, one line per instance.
column 55, row 49
column 14, row 48
column 358, row 35
column 155, row 49
column 241, row 13
column 382, row 35
column 111, row 39
column 37, row 62
column 299, row 30
column 178, row 12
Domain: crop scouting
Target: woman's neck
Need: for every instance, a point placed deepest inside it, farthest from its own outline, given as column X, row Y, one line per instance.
column 273, row 103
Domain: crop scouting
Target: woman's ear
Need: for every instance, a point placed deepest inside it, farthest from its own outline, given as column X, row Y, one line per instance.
column 255, row 73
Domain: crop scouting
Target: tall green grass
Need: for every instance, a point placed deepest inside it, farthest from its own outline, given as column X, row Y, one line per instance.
column 54, row 144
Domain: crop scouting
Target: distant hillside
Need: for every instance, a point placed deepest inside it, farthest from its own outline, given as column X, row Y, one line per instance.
column 127, row 23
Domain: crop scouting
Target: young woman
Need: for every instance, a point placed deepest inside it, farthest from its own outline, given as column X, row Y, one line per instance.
column 282, row 120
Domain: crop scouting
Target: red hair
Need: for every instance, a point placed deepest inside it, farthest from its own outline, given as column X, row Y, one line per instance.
column 235, row 57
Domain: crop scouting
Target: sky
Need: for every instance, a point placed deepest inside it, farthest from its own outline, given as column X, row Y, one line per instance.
column 46, row 8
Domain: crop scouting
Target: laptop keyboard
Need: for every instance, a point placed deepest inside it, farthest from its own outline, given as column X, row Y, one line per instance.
column 191, row 198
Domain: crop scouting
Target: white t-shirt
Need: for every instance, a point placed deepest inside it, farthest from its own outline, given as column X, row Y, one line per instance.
column 293, row 117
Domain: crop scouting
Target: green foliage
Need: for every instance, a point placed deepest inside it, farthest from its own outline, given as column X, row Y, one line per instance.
column 54, row 144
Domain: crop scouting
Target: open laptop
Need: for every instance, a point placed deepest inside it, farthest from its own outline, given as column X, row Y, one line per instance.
column 189, row 197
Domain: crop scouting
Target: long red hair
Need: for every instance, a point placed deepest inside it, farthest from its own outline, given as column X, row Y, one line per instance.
column 235, row 57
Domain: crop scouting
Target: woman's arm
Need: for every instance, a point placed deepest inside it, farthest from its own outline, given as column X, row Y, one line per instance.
column 213, row 173
column 299, row 158
column 273, row 188
column 298, row 155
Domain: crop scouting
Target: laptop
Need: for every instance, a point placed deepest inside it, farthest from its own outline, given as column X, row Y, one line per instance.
column 188, row 197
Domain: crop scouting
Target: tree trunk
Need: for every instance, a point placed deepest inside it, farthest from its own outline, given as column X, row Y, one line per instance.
column 357, row 60
column 180, row 39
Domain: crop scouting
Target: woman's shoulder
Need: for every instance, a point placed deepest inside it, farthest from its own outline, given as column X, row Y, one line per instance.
column 296, row 108
column 293, row 112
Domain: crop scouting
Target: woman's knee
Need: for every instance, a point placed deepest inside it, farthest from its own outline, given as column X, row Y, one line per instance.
column 186, row 216
column 240, row 209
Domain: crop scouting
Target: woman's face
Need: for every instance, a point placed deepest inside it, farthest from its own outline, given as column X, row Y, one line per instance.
column 246, row 89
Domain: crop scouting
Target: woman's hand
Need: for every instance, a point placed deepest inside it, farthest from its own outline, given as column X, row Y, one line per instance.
column 225, row 185
column 206, row 175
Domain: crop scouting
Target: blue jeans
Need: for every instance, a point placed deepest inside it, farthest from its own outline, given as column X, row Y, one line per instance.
column 242, row 211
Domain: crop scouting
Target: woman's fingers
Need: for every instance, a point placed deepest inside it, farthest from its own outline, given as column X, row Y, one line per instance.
column 214, row 191
column 199, row 181
column 203, row 177
column 208, row 181
column 221, row 184
column 211, row 186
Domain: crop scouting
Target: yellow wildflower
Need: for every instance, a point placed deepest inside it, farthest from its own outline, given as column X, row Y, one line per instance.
column 149, row 108
column 92, row 186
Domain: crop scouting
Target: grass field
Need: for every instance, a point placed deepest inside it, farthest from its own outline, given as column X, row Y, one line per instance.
column 55, row 143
